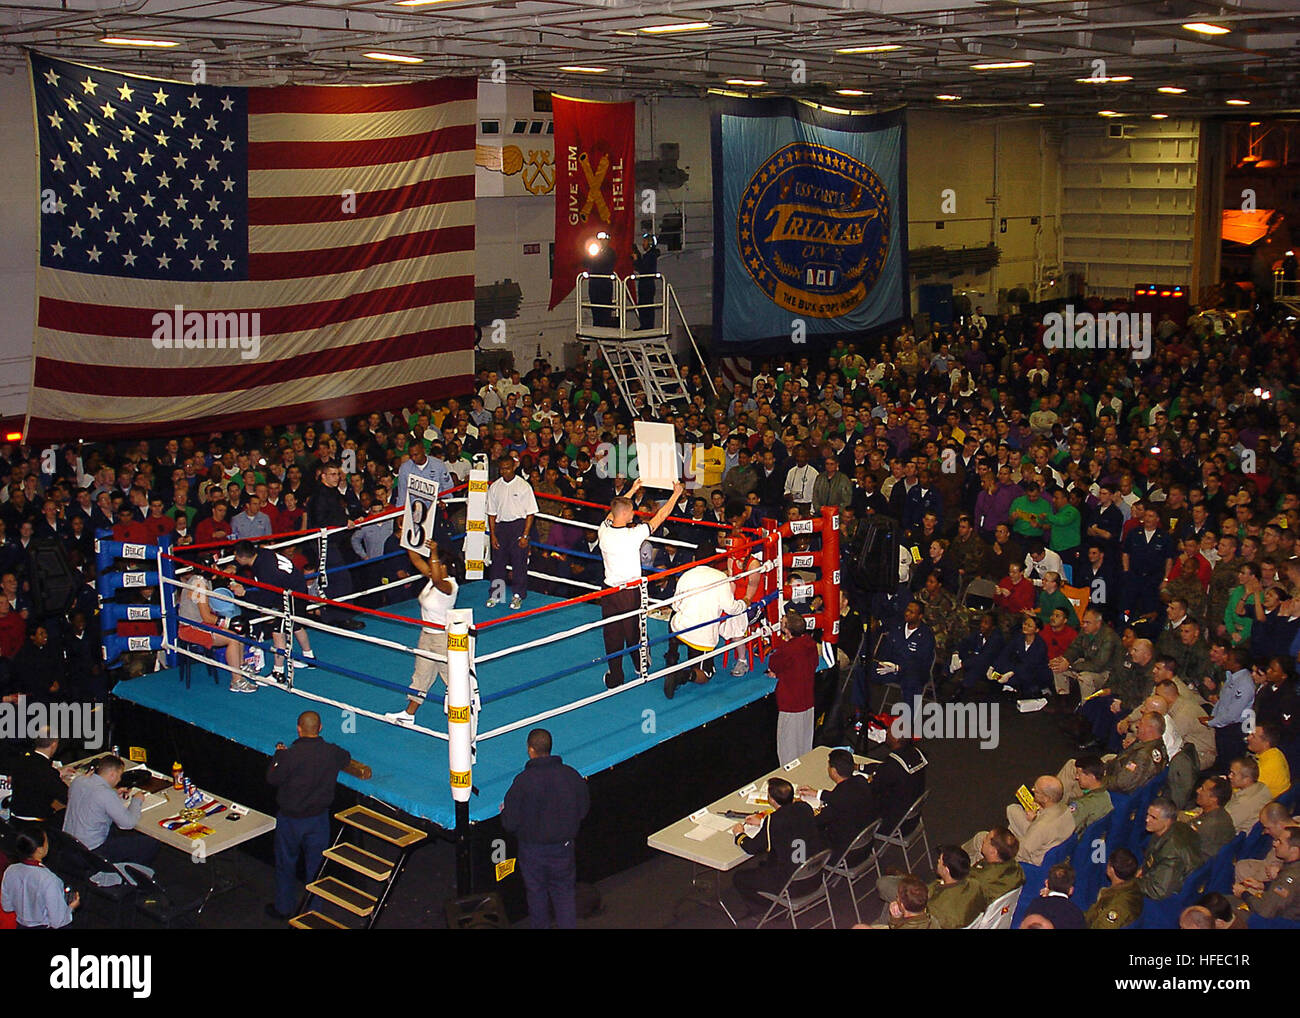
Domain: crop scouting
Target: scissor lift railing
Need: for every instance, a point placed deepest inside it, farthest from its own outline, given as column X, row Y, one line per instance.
column 640, row 359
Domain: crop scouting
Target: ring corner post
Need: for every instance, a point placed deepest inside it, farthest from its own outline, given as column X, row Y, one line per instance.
column 460, row 736
column 166, row 590
column 830, row 574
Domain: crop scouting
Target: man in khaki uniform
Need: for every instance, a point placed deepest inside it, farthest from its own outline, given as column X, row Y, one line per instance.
column 1188, row 717
column 1274, row 818
column 1280, row 897
column 1249, row 795
column 1121, row 903
column 1042, row 828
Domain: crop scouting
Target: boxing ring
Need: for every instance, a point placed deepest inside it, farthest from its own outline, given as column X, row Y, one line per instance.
column 541, row 666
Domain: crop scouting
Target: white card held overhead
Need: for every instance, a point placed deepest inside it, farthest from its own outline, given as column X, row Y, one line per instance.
column 417, row 517
column 656, row 454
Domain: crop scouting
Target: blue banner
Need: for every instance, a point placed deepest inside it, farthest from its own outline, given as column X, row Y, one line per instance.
column 809, row 225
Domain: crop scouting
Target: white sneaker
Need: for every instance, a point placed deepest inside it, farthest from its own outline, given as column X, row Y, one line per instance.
column 242, row 685
column 740, row 668
column 516, row 602
column 1030, row 706
column 493, row 601
column 306, row 659
column 401, row 718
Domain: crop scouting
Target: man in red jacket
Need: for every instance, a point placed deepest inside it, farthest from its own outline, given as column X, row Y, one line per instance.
column 793, row 662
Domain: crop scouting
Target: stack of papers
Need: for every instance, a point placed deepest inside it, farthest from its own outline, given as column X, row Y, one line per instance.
column 707, row 825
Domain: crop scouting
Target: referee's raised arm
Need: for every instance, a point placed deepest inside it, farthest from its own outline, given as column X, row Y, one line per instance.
column 667, row 508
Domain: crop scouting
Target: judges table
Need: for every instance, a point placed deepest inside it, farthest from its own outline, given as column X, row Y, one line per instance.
column 224, row 825
column 704, row 837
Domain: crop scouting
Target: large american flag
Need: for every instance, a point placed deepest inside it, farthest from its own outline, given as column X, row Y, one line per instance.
column 343, row 216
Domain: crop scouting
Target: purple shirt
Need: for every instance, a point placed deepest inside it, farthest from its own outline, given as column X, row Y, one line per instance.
column 995, row 508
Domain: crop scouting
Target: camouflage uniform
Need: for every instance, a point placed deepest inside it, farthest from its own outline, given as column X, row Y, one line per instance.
column 969, row 556
column 1222, row 580
column 946, row 621
column 1187, row 588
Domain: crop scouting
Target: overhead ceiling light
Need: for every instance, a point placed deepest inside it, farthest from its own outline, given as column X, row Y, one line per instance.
column 116, row 40
column 1205, row 28
column 1171, row 90
column 1104, row 80
column 850, row 91
column 1159, row 116
column 883, row 48
column 754, row 82
column 1238, row 102
column 681, row 26
column 1108, row 113
column 579, row 69
column 395, row 58
column 1254, row 123
column 1037, row 106
column 1002, row 65
column 947, row 98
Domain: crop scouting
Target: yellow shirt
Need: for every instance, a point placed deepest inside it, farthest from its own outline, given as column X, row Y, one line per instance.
column 1274, row 772
column 707, row 464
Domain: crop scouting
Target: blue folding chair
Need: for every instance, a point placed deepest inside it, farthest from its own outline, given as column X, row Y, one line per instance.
column 1257, row 843
column 1221, row 866
column 1256, row 922
column 1090, row 875
column 1129, row 830
column 1036, row 876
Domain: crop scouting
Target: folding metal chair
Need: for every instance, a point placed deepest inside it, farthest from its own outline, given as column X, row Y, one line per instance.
column 907, row 841
column 998, row 915
column 929, row 689
column 804, row 902
column 841, row 870
column 981, row 588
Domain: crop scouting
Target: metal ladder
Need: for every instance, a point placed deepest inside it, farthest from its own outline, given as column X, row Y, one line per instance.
column 370, row 850
column 641, row 360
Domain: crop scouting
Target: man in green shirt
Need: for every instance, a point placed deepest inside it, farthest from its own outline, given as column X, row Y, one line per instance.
column 1050, row 598
column 1029, row 512
column 1120, row 904
column 1065, row 523
column 1093, row 801
column 956, row 901
column 996, row 871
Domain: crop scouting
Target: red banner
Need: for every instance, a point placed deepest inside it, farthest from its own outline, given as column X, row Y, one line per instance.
column 594, row 156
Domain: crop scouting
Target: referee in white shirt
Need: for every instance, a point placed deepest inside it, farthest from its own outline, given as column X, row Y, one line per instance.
column 511, row 506
column 620, row 538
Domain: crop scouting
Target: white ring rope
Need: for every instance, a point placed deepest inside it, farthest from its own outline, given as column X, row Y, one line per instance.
column 313, row 623
column 342, row 705
column 555, row 712
column 595, row 526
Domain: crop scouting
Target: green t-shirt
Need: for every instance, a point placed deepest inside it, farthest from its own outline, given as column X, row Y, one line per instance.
column 1037, row 508
column 1065, row 528
column 1048, row 603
